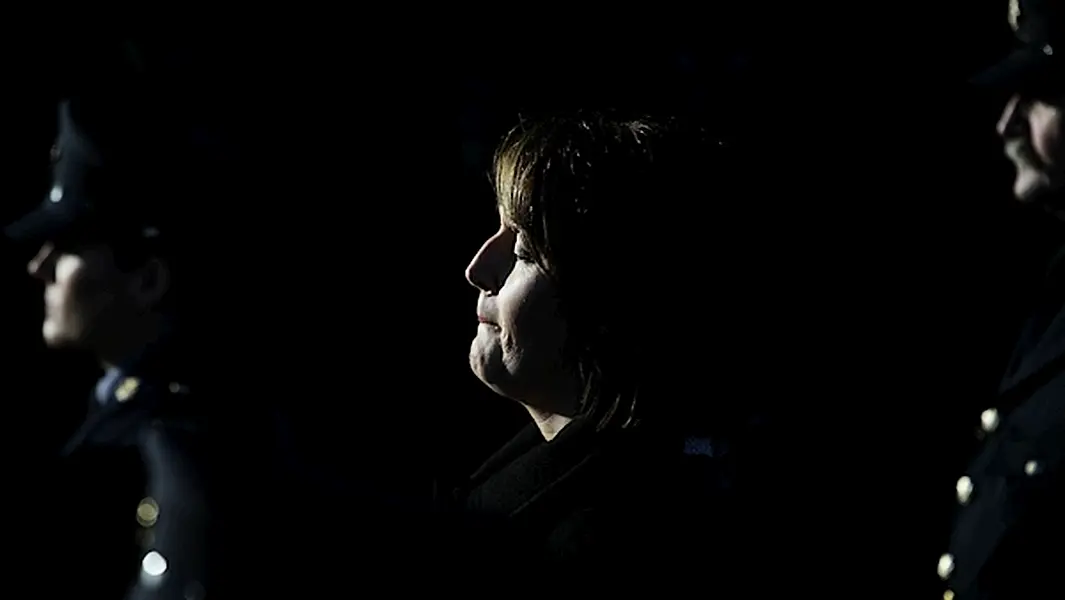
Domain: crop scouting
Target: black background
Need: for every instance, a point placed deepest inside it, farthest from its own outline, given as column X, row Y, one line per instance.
column 874, row 254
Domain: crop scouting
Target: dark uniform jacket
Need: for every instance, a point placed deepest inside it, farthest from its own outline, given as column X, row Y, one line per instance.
column 144, row 443
column 1008, row 539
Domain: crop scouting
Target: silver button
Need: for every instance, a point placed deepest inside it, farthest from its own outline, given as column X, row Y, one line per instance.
column 989, row 420
column 1032, row 467
column 153, row 564
column 946, row 566
column 964, row 488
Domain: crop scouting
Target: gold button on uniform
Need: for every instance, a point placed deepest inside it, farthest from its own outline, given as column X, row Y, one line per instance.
column 1032, row 467
column 946, row 566
column 989, row 420
column 964, row 488
column 147, row 512
column 1014, row 15
column 948, row 595
column 127, row 389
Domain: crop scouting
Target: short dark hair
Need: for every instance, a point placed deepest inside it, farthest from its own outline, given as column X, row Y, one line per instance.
column 608, row 204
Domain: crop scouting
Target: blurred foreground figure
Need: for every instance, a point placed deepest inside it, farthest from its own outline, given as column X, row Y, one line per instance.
column 1009, row 539
column 111, row 267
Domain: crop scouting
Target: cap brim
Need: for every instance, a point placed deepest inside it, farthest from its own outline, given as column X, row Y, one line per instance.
column 46, row 221
column 1023, row 67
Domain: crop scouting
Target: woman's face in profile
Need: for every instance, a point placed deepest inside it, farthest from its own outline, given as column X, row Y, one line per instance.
column 520, row 336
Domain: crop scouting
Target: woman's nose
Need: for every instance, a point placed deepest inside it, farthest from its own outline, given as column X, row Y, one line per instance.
column 479, row 272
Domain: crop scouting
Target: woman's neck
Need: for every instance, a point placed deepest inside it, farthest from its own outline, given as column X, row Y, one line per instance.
column 549, row 423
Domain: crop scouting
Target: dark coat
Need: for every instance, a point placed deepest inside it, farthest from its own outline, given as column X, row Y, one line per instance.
column 609, row 510
column 1008, row 537
column 595, row 508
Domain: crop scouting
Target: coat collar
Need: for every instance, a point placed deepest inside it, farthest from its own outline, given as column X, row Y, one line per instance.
column 528, row 475
column 152, row 385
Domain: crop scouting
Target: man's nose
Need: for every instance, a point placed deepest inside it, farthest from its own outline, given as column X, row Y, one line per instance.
column 40, row 266
column 1011, row 123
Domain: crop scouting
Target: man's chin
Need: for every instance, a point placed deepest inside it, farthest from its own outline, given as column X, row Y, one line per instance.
column 55, row 339
column 57, row 343
column 1029, row 187
column 1032, row 187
